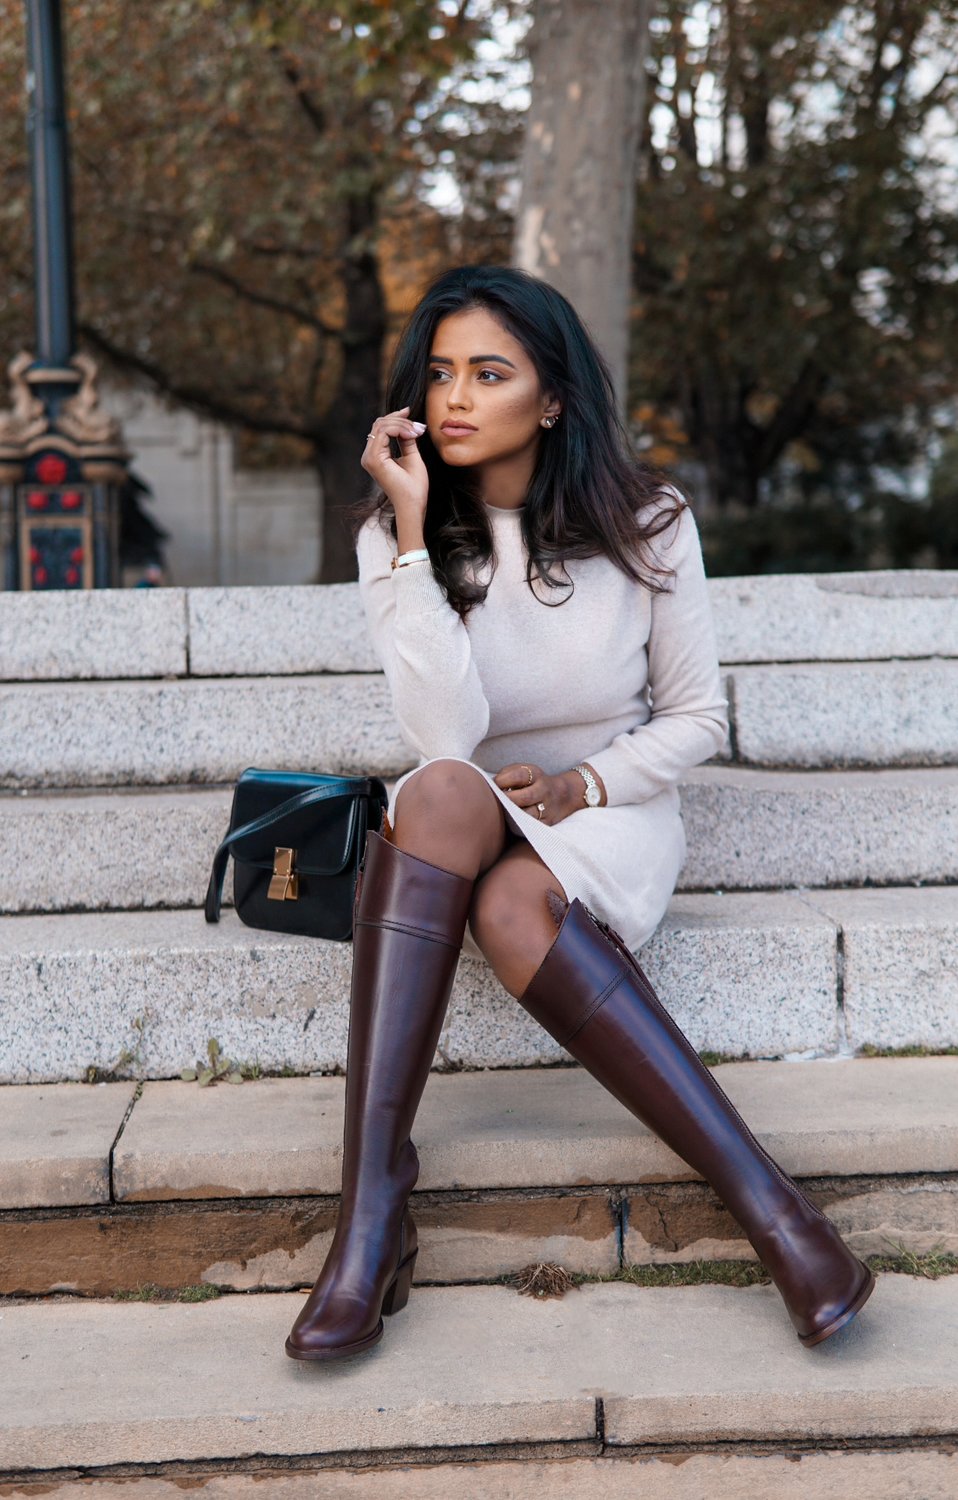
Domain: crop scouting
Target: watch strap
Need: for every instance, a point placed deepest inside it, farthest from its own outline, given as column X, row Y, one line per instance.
column 590, row 784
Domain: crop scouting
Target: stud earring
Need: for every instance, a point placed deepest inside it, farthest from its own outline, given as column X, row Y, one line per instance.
column 548, row 422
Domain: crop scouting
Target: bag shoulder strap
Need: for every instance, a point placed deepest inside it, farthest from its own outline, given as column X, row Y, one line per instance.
column 214, row 891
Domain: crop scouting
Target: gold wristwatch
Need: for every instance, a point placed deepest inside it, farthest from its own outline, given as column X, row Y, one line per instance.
column 592, row 794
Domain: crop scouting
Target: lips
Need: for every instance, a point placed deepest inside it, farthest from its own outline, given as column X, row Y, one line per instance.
column 457, row 429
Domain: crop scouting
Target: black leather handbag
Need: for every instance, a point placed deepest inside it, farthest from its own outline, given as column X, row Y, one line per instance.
column 298, row 842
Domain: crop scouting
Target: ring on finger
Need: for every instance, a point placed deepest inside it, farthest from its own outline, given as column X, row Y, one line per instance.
column 542, row 807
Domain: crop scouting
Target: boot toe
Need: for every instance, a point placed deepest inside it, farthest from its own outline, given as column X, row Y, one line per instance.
column 323, row 1343
column 831, row 1319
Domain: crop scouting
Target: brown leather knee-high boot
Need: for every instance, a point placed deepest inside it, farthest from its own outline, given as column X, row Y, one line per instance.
column 591, row 995
column 409, row 920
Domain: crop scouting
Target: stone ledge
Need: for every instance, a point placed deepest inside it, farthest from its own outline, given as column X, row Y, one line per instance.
column 125, row 849
column 93, row 633
column 836, row 616
column 207, row 730
column 237, row 1186
column 676, row 1223
column 108, row 633
column 749, row 975
column 55, row 1142
column 474, row 1235
column 697, row 1364
column 134, row 848
column 748, row 828
column 280, row 1244
column 846, row 714
column 239, row 632
column 900, row 963
column 136, row 733
column 839, row 1474
column 534, row 1128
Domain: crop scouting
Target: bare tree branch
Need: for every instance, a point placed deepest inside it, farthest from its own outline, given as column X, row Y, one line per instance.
column 792, row 415
column 314, row 112
column 261, row 299
column 295, row 252
column 198, row 399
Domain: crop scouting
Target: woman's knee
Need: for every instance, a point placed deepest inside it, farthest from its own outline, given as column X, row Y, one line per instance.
column 448, row 813
column 452, row 790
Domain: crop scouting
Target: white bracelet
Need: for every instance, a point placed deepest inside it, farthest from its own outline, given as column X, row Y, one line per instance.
column 420, row 555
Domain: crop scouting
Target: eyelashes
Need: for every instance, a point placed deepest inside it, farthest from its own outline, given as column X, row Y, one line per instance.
column 434, row 374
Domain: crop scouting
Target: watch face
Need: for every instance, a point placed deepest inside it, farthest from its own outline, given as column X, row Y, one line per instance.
column 593, row 796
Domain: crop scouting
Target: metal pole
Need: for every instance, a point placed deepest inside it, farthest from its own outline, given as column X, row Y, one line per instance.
column 49, row 156
column 62, row 458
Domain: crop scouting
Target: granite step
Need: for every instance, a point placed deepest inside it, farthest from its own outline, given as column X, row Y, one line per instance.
column 235, row 1186
column 609, row 1365
column 194, row 730
column 846, row 714
column 750, row 975
column 620, row 1473
column 207, row 730
column 214, row 632
column 140, row 848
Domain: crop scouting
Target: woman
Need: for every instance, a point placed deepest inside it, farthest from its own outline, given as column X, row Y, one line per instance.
column 528, row 586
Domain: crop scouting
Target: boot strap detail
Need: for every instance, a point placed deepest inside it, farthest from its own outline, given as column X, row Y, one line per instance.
column 410, row 930
column 597, row 1004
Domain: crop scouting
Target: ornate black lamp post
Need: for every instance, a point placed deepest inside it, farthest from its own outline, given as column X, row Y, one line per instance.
column 62, row 459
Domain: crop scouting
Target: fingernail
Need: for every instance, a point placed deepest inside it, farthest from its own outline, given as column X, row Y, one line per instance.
column 419, row 426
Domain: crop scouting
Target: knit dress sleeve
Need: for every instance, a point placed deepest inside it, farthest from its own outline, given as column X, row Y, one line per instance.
column 424, row 649
column 689, row 712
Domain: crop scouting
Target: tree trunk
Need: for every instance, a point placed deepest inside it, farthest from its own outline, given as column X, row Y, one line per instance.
column 574, row 226
column 360, row 394
column 341, row 481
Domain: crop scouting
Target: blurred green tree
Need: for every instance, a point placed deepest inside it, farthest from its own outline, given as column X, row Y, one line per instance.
column 943, row 509
column 257, row 187
column 796, row 259
column 251, row 192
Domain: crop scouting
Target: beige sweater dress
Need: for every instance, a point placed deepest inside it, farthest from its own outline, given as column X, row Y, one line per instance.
column 616, row 675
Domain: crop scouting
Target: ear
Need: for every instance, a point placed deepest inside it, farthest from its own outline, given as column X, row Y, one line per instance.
column 551, row 410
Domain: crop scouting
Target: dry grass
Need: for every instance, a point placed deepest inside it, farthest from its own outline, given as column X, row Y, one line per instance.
column 543, row 1279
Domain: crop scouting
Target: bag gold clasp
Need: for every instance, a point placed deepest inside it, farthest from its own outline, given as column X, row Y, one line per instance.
column 284, row 882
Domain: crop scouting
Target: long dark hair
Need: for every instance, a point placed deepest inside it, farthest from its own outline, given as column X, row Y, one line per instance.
column 588, row 488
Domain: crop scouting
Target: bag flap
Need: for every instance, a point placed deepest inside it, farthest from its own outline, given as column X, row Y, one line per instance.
column 325, row 838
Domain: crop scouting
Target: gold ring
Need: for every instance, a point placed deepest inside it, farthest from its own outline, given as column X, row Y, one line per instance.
column 531, row 777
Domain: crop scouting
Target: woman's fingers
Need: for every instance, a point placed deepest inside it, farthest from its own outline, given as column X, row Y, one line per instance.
column 516, row 779
column 527, row 794
column 377, row 454
column 404, row 479
column 510, row 778
column 395, row 424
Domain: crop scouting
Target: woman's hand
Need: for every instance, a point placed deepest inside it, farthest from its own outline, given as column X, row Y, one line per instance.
column 405, row 480
column 560, row 795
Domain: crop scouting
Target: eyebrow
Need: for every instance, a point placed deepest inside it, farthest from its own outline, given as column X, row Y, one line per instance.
column 475, row 359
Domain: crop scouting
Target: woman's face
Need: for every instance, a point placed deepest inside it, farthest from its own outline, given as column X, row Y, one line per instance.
column 484, row 403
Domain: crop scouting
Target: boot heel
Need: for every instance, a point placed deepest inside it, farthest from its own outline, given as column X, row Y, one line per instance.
column 397, row 1293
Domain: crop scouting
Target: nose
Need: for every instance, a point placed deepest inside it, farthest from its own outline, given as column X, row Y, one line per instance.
column 457, row 392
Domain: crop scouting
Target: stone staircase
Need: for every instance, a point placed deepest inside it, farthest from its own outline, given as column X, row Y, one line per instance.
column 816, row 921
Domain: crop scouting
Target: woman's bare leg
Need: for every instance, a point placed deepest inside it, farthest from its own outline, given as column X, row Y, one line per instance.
column 448, row 815
column 510, row 918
